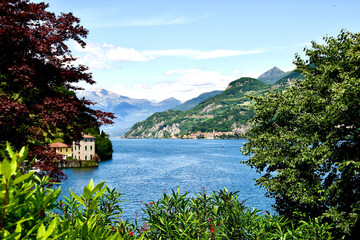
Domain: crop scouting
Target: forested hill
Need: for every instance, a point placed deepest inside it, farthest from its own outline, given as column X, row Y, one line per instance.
column 195, row 101
column 223, row 115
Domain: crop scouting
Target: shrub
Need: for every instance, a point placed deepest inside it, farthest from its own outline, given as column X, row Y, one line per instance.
column 30, row 210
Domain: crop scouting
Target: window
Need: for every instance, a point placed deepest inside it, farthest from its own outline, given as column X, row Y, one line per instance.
column 85, row 157
column 85, row 148
column 90, row 147
column 75, row 147
column 91, row 157
column 60, row 149
column 66, row 150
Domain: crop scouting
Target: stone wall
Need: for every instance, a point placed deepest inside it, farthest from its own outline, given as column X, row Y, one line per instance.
column 77, row 164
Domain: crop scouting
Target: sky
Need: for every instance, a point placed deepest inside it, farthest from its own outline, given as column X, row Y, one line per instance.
column 159, row 49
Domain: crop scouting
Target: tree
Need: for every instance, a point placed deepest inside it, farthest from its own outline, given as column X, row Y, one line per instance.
column 103, row 145
column 37, row 77
column 306, row 140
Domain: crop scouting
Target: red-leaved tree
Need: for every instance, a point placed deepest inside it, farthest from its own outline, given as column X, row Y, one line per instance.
column 37, row 77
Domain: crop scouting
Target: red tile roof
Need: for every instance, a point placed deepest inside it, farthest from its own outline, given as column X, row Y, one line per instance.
column 59, row 145
column 87, row 136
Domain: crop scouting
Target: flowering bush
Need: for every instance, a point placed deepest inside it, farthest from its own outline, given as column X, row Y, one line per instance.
column 30, row 210
column 221, row 216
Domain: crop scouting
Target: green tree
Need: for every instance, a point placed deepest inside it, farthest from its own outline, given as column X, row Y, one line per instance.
column 38, row 77
column 103, row 145
column 306, row 140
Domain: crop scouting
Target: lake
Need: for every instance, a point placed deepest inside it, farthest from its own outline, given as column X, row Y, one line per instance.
column 143, row 168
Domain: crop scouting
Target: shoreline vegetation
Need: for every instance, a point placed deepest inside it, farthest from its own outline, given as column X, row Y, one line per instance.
column 31, row 210
column 198, row 135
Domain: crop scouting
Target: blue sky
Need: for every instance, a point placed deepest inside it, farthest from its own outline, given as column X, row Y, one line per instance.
column 159, row 49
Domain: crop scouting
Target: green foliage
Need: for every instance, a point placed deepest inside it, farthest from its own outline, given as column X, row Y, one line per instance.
column 38, row 79
column 24, row 198
column 221, row 216
column 30, row 210
column 288, row 79
column 306, row 140
column 89, row 164
column 103, row 145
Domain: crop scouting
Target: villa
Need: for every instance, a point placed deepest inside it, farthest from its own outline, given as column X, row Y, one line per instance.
column 81, row 150
column 85, row 148
column 62, row 149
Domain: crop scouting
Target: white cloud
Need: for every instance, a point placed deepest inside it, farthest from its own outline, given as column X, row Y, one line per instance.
column 101, row 56
column 125, row 54
column 223, row 53
column 157, row 21
column 182, row 71
column 195, row 54
column 104, row 56
column 189, row 84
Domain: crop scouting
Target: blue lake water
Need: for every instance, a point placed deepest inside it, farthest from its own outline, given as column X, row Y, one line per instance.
column 143, row 168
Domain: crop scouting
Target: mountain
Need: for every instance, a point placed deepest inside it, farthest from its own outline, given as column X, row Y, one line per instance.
column 195, row 101
column 288, row 79
column 223, row 115
column 271, row 76
column 127, row 110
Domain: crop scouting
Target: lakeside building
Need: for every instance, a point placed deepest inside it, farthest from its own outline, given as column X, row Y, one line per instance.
column 62, row 149
column 81, row 150
column 85, row 148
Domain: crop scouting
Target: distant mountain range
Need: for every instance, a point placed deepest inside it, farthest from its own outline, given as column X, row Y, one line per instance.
column 127, row 110
column 211, row 110
column 225, row 112
column 223, row 115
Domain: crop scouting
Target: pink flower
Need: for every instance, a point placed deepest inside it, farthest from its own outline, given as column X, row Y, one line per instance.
column 131, row 233
column 212, row 230
column 151, row 203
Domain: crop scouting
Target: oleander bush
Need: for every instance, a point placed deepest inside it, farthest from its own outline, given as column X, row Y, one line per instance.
column 30, row 209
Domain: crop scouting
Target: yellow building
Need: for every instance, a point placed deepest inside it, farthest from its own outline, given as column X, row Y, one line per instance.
column 81, row 150
column 62, row 149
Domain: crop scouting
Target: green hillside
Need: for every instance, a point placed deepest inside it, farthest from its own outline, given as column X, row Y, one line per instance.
column 195, row 101
column 225, row 114
column 288, row 79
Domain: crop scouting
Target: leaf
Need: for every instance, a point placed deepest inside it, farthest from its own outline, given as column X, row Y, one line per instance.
column 51, row 228
column 18, row 230
column 84, row 230
column 91, row 185
column 100, row 193
column 87, row 193
column 142, row 236
column 24, row 152
column 8, row 169
column 22, row 178
column 98, row 187
column 10, row 151
column 77, row 198
column 41, row 232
